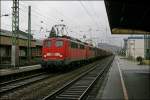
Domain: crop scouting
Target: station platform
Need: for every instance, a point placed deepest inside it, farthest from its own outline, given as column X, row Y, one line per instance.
column 126, row 80
column 9, row 71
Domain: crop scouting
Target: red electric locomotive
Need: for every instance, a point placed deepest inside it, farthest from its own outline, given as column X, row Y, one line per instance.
column 61, row 51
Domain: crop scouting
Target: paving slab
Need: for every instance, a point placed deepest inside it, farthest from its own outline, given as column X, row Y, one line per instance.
column 126, row 80
column 112, row 88
column 137, row 84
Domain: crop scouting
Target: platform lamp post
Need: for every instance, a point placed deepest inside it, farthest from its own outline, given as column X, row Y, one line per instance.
column 134, row 50
column 29, row 35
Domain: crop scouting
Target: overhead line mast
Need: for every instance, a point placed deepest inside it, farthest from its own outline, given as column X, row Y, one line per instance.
column 15, row 30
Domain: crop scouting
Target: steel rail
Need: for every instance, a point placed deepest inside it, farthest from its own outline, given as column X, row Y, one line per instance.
column 51, row 96
column 19, row 79
column 17, row 75
column 101, row 74
column 78, row 88
column 21, row 83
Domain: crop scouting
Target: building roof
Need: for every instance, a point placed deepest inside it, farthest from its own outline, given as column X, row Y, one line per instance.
column 22, row 34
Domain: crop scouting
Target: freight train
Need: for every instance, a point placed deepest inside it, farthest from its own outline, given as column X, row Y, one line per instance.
column 60, row 51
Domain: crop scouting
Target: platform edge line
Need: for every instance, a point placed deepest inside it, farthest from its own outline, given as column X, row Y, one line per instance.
column 122, row 82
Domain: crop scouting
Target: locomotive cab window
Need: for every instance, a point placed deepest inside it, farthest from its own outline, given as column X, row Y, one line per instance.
column 59, row 43
column 74, row 45
column 47, row 43
column 81, row 46
column 90, row 48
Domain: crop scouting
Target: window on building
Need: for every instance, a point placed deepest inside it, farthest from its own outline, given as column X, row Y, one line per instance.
column 148, row 50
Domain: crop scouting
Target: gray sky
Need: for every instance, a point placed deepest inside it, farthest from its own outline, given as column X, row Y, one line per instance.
column 79, row 16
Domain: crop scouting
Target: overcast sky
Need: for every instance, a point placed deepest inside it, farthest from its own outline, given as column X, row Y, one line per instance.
column 81, row 17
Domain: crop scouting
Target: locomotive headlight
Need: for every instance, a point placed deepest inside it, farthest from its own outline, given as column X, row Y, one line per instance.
column 45, row 56
column 49, row 54
column 60, row 55
column 57, row 54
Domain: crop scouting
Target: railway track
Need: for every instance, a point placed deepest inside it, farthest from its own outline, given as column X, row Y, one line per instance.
column 19, row 79
column 14, row 76
column 18, row 83
column 79, row 88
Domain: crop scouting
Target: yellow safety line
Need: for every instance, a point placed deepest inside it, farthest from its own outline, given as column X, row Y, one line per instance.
column 122, row 82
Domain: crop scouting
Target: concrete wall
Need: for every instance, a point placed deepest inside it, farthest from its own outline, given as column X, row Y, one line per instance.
column 6, row 46
column 6, row 40
column 135, row 47
column 139, row 48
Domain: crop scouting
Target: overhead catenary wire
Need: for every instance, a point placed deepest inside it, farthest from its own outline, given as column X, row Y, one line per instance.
column 35, row 23
column 59, row 13
column 50, row 17
column 36, row 13
column 92, row 19
column 95, row 14
column 22, row 11
column 67, row 18
column 107, row 31
column 88, row 13
column 72, row 20
column 39, row 25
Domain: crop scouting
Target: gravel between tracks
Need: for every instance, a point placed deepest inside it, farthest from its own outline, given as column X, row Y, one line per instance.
column 41, row 89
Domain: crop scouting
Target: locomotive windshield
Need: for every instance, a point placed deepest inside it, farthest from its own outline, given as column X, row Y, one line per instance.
column 59, row 43
column 47, row 43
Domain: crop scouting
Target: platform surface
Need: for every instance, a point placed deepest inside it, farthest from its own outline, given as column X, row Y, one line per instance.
column 126, row 80
column 9, row 71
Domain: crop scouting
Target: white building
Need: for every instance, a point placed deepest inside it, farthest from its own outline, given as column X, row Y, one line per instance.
column 136, row 47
